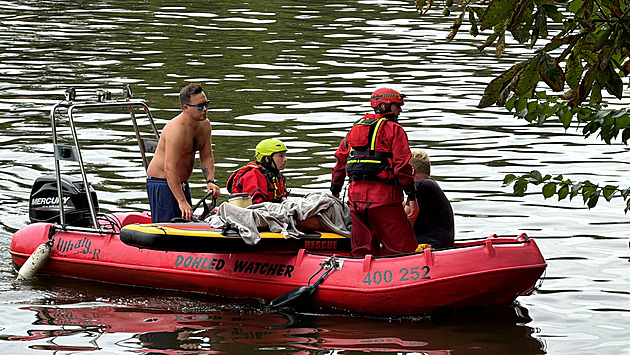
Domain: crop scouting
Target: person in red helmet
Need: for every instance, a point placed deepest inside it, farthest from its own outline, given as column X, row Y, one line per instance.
column 375, row 156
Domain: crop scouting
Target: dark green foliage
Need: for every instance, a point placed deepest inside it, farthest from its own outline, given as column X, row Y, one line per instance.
column 564, row 188
column 585, row 57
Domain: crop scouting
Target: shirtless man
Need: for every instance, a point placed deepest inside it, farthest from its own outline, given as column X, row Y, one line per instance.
column 174, row 159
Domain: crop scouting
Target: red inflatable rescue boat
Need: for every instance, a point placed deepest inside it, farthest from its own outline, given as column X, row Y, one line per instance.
column 73, row 239
column 494, row 270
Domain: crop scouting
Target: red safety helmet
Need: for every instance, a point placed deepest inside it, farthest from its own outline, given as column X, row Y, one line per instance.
column 386, row 96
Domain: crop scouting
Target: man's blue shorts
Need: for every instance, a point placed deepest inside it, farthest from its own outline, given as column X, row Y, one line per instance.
column 164, row 206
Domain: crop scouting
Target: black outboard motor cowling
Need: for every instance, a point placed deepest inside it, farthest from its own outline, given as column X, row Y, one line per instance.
column 44, row 202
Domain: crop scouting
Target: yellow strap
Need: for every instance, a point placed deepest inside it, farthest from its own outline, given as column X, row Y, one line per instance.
column 375, row 133
column 363, row 161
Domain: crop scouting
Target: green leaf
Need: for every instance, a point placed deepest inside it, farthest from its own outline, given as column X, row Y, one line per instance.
column 535, row 176
column 500, row 47
column 563, row 192
column 575, row 189
column 496, row 12
column 551, row 72
column 520, row 22
column 596, row 92
column 591, row 128
column 549, row 189
column 497, row 85
column 508, row 179
column 614, row 85
column 553, row 13
column 455, row 27
column 575, row 5
column 474, row 30
column 613, row 6
column 529, row 77
column 523, row 11
column 510, row 103
column 491, row 38
column 603, row 57
column 520, row 187
column 587, row 192
column 609, row 191
column 592, row 200
column 566, row 116
column 586, row 85
column 574, row 71
column 603, row 40
column 520, row 104
column 541, row 23
column 553, row 44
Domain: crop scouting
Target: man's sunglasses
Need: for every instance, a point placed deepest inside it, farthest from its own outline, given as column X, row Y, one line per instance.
column 200, row 106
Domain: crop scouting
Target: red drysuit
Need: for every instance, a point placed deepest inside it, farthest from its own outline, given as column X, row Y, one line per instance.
column 375, row 155
column 260, row 183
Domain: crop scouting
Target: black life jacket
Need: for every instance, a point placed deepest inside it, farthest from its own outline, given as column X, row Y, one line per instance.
column 369, row 159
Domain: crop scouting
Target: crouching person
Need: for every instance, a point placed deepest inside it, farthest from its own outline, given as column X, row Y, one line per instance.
column 261, row 178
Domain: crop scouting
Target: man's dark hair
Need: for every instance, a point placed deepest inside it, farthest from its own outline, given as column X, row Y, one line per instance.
column 187, row 92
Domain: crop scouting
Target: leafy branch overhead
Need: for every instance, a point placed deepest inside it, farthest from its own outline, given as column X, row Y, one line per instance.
column 564, row 188
column 580, row 49
column 592, row 39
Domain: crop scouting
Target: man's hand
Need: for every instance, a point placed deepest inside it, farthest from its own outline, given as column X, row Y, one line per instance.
column 412, row 211
column 186, row 209
column 214, row 188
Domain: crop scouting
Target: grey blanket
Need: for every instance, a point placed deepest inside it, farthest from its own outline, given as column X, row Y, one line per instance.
column 282, row 217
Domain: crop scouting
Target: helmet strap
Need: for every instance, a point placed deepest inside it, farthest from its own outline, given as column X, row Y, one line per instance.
column 386, row 111
column 269, row 163
column 383, row 111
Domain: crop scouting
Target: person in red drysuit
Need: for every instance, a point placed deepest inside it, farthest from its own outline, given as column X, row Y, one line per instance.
column 375, row 155
column 262, row 178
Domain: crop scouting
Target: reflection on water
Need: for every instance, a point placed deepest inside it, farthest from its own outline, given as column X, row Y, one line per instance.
column 302, row 71
column 86, row 327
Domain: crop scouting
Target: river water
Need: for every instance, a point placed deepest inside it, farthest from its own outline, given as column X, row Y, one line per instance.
column 301, row 71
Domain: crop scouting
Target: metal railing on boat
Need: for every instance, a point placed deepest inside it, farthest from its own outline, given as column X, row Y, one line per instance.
column 73, row 152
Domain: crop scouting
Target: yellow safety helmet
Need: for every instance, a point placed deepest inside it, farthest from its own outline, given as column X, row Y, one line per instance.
column 267, row 147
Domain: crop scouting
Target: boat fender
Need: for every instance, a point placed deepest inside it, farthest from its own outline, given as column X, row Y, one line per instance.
column 39, row 257
column 35, row 262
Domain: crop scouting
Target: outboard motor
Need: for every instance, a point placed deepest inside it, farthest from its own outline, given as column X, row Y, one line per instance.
column 44, row 202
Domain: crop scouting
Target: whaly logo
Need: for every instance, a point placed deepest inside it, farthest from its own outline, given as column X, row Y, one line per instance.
column 78, row 246
column 48, row 201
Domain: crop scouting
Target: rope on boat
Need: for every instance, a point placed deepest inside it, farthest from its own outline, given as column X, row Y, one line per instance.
column 539, row 283
column 330, row 264
column 302, row 293
column 51, row 237
column 110, row 221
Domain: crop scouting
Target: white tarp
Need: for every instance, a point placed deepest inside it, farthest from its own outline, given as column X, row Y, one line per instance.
column 282, row 217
